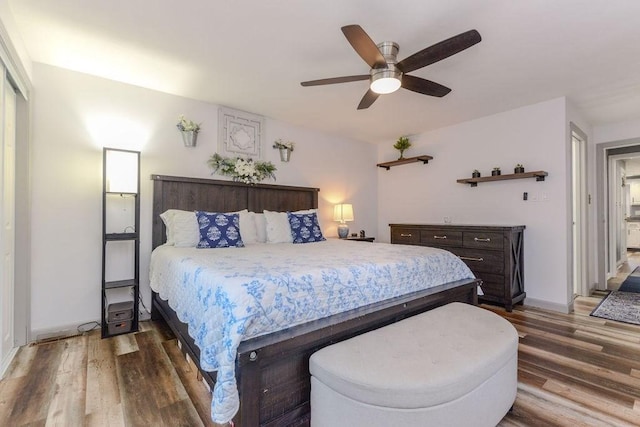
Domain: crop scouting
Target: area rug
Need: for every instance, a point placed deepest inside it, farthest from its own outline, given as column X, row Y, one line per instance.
column 632, row 282
column 620, row 306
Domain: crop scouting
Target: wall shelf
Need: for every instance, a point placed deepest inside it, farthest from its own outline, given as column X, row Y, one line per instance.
column 538, row 175
column 387, row 165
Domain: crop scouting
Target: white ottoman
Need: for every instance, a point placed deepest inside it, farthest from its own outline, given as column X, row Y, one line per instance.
column 455, row 365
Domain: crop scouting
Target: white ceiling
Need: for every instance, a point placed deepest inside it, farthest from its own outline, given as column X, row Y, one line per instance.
column 252, row 55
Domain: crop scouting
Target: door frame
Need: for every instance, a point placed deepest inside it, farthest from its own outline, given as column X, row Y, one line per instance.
column 580, row 214
column 603, row 151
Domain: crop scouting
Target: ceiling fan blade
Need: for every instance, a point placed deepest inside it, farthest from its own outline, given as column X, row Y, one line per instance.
column 425, row 87
column 334, row 80
column 364, row 46
column 439, row 51
column 368, row 99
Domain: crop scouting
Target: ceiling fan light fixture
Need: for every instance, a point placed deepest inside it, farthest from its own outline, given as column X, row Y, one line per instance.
column 385, row 81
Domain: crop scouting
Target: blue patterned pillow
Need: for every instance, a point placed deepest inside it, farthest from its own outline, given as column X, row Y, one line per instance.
column 219, row 230
column 305, row 228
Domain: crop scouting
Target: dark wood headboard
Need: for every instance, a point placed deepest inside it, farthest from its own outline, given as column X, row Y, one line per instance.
column 171, row 192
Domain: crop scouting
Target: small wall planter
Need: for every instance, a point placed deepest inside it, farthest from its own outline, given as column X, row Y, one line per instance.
column 189, row 137
column 285, row 154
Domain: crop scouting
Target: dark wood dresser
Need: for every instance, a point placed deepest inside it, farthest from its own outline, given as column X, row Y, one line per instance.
column 494, row 254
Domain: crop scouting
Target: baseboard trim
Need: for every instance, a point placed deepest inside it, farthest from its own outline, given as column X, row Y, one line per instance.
column 546, row 305
column 53, row 334
column 7, row 361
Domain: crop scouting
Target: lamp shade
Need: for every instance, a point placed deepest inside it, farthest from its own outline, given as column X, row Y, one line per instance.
column 343, row 212
column 121, row 170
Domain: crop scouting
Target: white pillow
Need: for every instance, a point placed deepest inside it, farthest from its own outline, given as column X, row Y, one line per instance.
column 261, row 227
column 183, row 230
column 182, row 227
column 166, row 217
column 248, row 230
column 277, row 227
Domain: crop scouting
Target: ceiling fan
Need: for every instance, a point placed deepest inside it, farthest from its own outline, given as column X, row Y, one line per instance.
column 387, row 74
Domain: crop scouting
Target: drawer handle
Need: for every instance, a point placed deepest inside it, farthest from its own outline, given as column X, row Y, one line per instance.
column 405, row 235
column 439, row 237
column 475, row 239
column 466, row 258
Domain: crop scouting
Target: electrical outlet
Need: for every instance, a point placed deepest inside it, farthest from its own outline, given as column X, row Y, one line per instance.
column 447, row 220
column 545, row 196
column 533, row 197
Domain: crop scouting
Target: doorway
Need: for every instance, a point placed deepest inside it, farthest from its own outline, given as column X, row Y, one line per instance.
column 614, row 165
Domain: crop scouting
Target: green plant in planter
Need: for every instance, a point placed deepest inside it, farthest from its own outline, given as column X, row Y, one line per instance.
column 402, row 144
column 496, row 171
column 475, row 173
column 518, row 169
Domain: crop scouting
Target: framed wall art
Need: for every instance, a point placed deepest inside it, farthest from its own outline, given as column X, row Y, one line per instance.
column 240, row 133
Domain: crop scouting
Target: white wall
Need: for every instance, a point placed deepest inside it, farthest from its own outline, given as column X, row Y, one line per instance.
column 75, row 115
column 534, row 136
column 616, row 131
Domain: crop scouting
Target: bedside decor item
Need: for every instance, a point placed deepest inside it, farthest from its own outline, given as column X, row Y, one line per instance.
column 120, row 241
column 343, row 213
column 285, row 148
column 401, row 145
column 189, row 130
column 239, row 169
column 518, row 169
column 475, row 173
column 495, row 172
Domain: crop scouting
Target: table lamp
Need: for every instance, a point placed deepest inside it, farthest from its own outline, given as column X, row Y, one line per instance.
column 343, row 212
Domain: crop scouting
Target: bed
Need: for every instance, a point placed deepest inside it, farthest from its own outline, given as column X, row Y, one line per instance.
column 271, row 368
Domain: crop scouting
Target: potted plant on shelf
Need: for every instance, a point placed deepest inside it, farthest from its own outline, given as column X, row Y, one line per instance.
column 285, row 149
column 518, row 169
column 475, row 173
column 496, row 171
column 402, row 144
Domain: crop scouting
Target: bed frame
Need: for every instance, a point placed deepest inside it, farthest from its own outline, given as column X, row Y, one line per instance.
column 273, row 370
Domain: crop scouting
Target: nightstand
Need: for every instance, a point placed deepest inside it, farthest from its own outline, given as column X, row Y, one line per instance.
column 361, row 239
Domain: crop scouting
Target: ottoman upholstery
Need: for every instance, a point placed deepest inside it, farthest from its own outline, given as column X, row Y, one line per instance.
column 454, row 365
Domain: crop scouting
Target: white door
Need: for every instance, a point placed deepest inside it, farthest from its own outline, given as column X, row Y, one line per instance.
column 7, row 231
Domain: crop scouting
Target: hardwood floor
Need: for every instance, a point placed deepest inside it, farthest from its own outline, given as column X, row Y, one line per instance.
column 573, row 370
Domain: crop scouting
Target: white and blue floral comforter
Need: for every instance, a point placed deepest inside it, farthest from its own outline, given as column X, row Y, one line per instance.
column 229, row 295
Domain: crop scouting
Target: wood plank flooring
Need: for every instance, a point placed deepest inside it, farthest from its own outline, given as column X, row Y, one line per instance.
column 573, row 370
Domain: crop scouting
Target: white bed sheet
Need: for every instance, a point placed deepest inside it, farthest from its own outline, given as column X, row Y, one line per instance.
column 229, row 295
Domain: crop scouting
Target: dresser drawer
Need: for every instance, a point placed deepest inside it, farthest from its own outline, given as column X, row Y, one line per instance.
column 440, row 237
column 405, row 236
column 480, row 261
column 474, row 239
